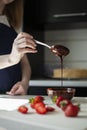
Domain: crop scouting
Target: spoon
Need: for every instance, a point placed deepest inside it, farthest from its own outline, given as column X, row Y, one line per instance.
column 44, row 44
column 56, row 49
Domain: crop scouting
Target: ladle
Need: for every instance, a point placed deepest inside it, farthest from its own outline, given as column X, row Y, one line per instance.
column 56, row 49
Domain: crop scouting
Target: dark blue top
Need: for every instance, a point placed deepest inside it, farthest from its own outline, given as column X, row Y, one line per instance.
column 10, row 75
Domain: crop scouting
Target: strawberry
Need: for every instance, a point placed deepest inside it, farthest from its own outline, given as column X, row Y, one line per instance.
column 41, row 110
column 49, row 108
column 64, row 103
column 38, row 98
column 39, row 104
column 71, row 110
column 23, row 109
column 32, row 102
column 35, row 100
column 58, row 100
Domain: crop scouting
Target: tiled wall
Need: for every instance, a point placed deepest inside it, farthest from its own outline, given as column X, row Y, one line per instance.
column 75, row 40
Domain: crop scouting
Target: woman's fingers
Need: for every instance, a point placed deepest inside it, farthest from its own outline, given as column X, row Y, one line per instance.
column 25, row 43
column 27, row 50
column 23, row 34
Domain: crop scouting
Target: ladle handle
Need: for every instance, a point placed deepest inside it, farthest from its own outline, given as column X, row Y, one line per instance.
column 44, row 44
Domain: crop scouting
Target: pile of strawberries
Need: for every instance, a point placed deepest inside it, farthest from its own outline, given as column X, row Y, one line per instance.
column 70, row 109
column 37, row 103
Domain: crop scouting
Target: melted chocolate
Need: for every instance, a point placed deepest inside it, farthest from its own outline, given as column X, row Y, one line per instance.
column 60, row 51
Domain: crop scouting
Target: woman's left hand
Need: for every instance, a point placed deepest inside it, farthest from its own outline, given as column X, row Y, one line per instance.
column 18, row 89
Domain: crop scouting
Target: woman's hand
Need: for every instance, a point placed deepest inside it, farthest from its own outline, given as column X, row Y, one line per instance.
column 19, row 88
column 24, row 43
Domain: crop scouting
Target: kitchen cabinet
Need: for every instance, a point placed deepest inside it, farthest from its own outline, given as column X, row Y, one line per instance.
column 65, row 11
column 55, row 11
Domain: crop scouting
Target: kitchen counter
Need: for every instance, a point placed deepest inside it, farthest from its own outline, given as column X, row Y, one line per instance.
column 13, row 120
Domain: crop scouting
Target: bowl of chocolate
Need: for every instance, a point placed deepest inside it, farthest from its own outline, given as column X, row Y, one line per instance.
column 67, row 93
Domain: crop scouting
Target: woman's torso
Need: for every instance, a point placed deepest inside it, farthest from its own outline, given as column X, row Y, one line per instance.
column 10, row 75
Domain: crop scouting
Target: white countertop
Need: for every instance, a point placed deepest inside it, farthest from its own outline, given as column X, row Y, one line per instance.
column 13, row 120
column 47, row 82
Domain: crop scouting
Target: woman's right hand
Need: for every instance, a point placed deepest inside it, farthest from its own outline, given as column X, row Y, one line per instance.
column 23, row 43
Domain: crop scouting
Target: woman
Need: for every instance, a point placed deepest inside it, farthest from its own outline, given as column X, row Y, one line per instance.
column 14, row 75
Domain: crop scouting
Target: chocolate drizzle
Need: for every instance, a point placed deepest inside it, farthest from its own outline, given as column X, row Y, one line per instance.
column 60, row 51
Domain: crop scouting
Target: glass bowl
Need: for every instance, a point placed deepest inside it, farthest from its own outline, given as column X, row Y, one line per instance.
column 67, row 93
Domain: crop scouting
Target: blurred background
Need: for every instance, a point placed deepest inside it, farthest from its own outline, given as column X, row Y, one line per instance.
column 58, row 22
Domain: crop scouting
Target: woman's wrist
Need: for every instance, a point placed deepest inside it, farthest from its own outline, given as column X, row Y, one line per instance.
column 25, row 81
column 12, row 60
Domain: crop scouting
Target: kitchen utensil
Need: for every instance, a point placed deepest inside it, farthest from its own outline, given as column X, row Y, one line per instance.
column 44, row 44
column 58, row 50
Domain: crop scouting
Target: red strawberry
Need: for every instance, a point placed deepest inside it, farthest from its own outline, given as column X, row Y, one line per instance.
column 41, row 110
column 23, row 109
column 39, row 104
column 38, row 98
column 72, row 110
column 60, row 98
column 32, row 103
column 49, row 108
column 64, row 103
column 35, row 100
